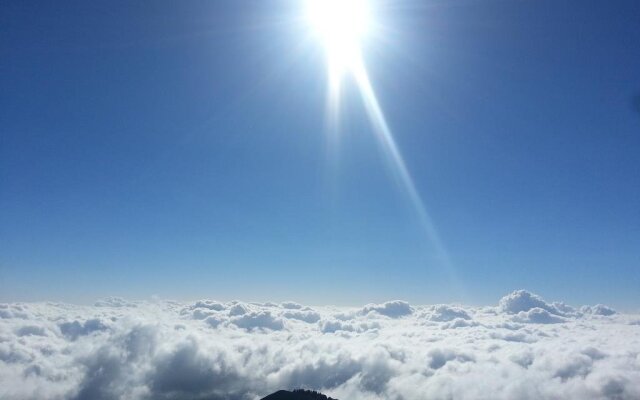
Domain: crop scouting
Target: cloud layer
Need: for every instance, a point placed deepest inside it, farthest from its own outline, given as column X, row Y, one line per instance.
column 523, row 348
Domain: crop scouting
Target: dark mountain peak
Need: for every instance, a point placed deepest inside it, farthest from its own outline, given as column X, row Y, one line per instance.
column 298, row 394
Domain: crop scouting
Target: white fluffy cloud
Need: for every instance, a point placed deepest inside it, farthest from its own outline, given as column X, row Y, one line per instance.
column 523, row 349
column 392, row 309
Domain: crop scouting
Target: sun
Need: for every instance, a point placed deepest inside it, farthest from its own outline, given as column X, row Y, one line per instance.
column 341, row 26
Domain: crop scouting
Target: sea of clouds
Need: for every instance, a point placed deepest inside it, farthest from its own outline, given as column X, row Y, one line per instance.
column 522, row 348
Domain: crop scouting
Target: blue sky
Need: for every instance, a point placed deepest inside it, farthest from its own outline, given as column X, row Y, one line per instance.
column 179, row 149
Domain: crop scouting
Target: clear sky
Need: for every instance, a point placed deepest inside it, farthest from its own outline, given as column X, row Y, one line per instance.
column 180, row 149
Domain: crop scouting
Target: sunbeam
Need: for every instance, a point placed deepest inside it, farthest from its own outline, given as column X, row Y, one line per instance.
column 385, row 137
column 341, row 26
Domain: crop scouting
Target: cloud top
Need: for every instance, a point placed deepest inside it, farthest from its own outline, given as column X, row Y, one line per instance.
column 522, row 349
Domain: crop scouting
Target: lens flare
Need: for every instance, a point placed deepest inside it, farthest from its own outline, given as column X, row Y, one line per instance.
column 341, row 26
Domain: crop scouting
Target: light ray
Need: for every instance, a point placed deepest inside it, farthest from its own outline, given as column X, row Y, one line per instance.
column 385, row 137
column 341, row 25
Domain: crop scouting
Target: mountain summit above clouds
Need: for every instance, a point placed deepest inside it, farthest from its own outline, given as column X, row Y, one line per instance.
column 298, row 394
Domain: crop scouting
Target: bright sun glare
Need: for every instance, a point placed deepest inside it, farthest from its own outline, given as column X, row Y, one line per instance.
column 341, row 25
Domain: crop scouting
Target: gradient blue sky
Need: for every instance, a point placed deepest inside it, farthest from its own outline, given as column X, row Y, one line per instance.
column 178, row 148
